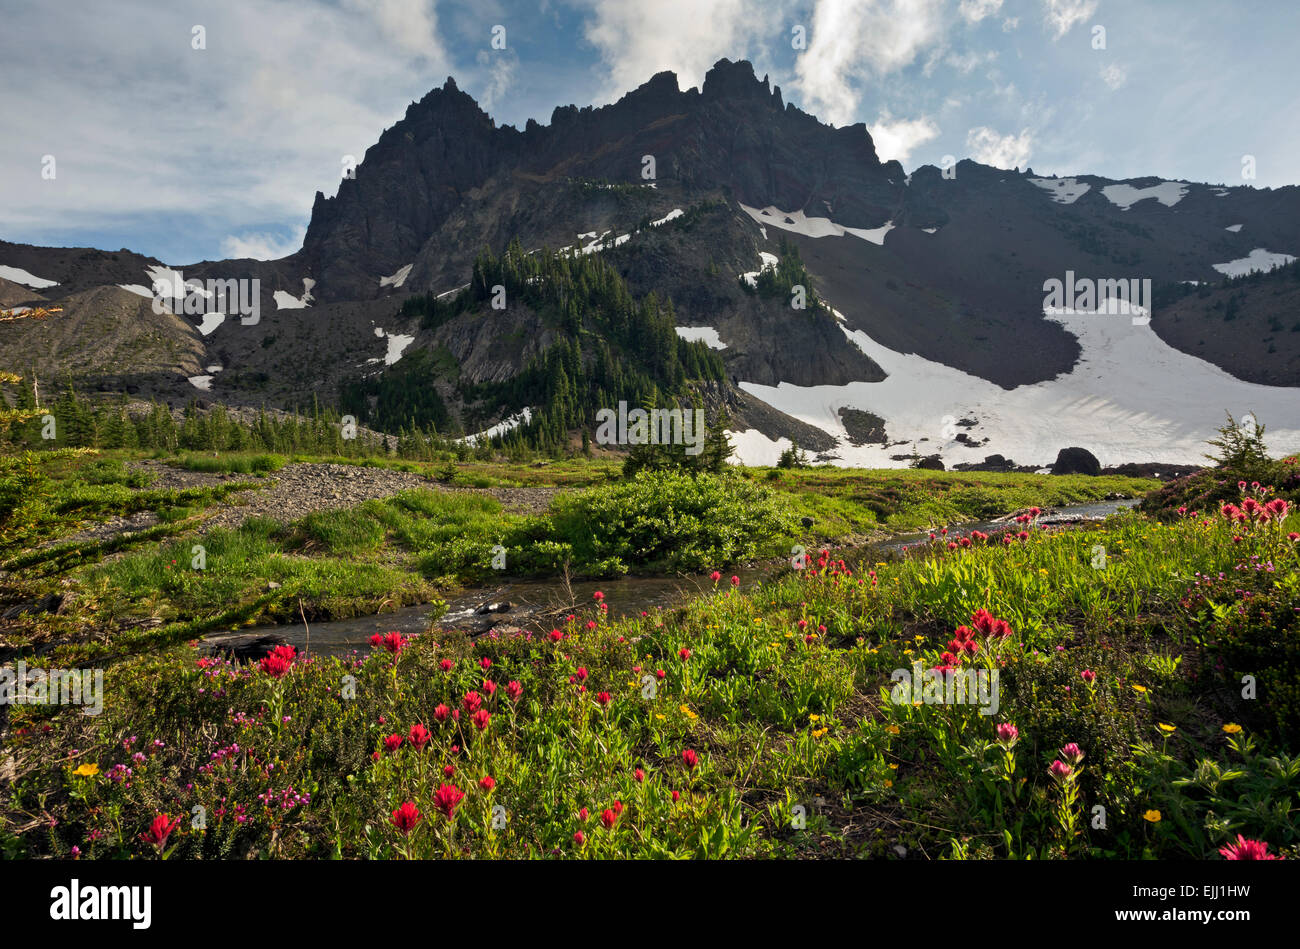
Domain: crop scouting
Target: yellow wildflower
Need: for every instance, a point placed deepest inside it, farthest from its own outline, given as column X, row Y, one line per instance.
column 1167, row 729
column 819, row 732
column 892, row 729
column 1232, row 728
column 1153, row 816
column 87, row 771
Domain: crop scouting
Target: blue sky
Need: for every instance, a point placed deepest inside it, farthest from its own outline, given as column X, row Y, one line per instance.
column 187, row 154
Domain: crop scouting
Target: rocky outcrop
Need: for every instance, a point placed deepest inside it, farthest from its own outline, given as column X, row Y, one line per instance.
column 1076, row 461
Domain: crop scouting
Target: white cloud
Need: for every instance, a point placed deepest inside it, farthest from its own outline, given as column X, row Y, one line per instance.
column 263, row 245
column 244, row 130
column 410, row 25
column 1010, row 23
column 1063, row 15
column 896, row 138
column 636, row 39
column 976, row 10
column 500, row 67
column 1001, row 151
column 968, row 62
column 1114, row 75
column 855, row 40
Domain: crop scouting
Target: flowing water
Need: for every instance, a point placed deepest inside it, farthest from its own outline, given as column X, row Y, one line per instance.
column 542, row 604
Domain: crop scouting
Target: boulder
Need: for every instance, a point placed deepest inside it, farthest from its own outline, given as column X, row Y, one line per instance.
column 244, row 647
column 1076, row 461
column 931, row 463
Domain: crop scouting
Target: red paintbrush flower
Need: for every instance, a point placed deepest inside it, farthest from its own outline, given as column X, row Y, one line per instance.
column 160, row 830
column 279, row 662
column 406, row 817
column 1245, row 849
column 419, row 736
column 447, row 799
column 482, row 718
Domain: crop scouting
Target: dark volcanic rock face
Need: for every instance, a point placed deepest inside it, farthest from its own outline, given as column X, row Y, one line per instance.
column 447, row 156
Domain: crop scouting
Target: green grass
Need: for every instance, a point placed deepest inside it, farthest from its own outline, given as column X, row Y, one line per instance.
column 849, row 502
column 785, row 699
column 232, row 463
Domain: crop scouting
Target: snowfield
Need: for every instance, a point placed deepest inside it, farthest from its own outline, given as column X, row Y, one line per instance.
column 210, row 322
column 286, row 301
column 1063, row 190
column 1257, row 259
column 397, row 279
column 397, row 343
column 500, row 428
column 1167, row 193
column 767, row 262
column 18, row 275
column 702, row 334
column 799, row 223
column 1130, row 398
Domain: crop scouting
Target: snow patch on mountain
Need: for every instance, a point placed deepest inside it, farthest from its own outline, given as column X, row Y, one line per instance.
column 1167, row 193
column 171, row 284
column 201, row 382
column 752, row 447
column 397, row 343
column 766, row 262
column 287, row 301
column 1257, row 259
column 1063, row 190
column 1233, row 227
column 500, row 428
column 210, row 322
column 397, row 279
column 1130, row 397
column 18, row 275
column 702, row 334
column 799, row 223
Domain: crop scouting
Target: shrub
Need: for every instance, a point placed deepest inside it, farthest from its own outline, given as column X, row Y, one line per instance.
column 669, row 519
